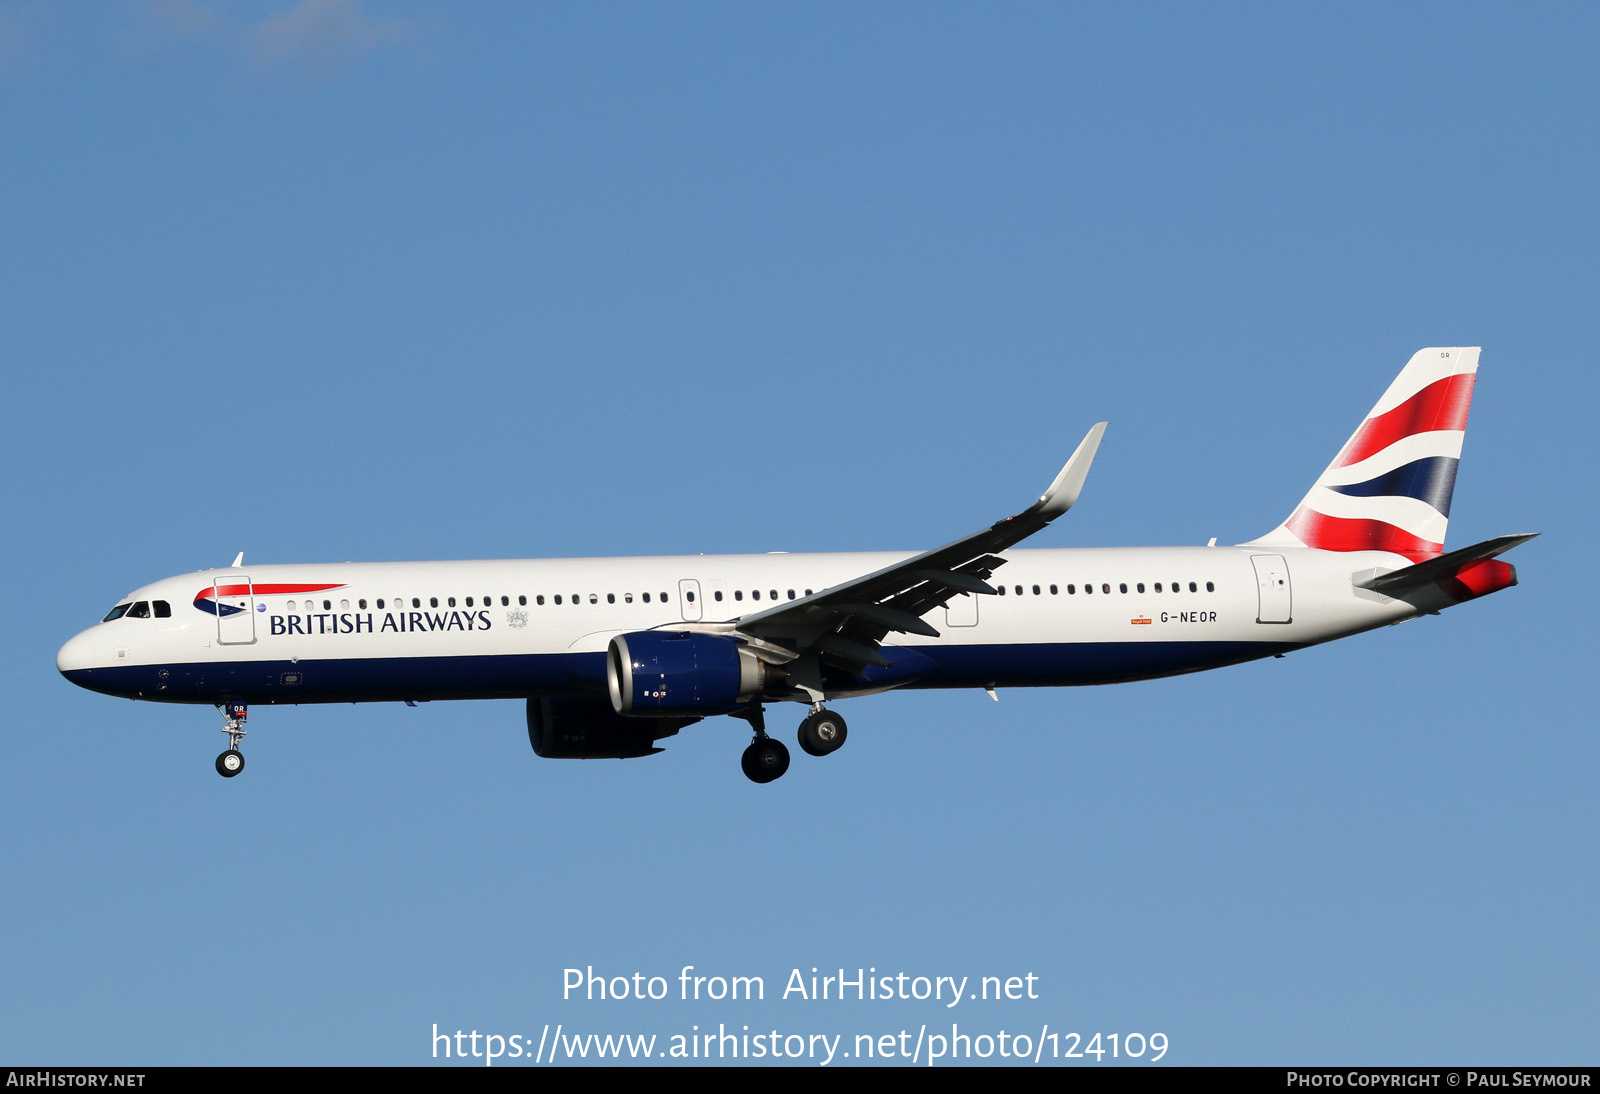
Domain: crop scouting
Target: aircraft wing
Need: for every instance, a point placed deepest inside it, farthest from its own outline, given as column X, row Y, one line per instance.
column 846, row 623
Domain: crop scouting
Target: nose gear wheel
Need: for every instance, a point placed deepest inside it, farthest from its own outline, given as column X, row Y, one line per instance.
column 231, row 762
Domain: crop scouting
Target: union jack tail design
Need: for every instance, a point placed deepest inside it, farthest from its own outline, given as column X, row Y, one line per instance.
column 1389, row 487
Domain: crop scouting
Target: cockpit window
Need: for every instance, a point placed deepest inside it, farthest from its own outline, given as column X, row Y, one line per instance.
column 140, row 610
column 116, row 613
column 163, row 609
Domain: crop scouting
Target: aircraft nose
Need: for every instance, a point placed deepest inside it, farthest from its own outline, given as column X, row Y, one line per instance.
column 77, row 656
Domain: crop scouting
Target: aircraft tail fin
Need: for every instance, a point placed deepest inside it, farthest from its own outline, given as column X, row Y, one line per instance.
column 1389, row 487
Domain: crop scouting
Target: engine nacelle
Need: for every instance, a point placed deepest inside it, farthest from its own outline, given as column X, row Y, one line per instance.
column 682, row 672
column 588, row 729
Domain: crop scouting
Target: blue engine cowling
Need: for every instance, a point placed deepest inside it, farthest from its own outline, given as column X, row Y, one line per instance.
column 580, row 728
column 681, row 672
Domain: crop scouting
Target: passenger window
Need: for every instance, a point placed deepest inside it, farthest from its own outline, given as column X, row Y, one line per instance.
column 415, row 602
column 344, row 605
column 1087, row 589
column 291, row 606
column 738, row 594
column 1072, row 590
column 1054, row 591
column 755, row 594
column 1019, row 590
column 808, row 592
column 1105, row 587
column 1140, row 586
column 689, row 596
column 539, row 600
column 627, row 598
column 774, row 593
column 140, row 610
column 594, row 599
column 1036, row 590
column 433, row 602
column 1210, row 588
column 558, row 598
column 663, row 598
column 1192, row 588
column 1158, row 586
column 717, row 594
column 505, row 601
column 791, row 594
column 647, row 598
column 1001, row 589
column 522, row 600
column 163, row 609
column 611, row 598
column 469, row 601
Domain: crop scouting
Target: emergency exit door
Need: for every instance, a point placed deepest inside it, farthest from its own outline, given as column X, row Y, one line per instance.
column 961, row 611
column 689, row 600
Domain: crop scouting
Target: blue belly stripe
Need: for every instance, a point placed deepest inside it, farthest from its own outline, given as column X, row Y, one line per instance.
column 518, row 676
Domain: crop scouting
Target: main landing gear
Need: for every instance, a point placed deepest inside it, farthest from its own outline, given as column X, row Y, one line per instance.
column 231, row 762
column 767, row 758
column 822, row 732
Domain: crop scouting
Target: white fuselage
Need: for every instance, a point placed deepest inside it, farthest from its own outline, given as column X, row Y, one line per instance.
column 518, row 628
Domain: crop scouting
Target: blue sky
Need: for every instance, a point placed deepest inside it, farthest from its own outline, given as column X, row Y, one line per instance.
column 324, row 280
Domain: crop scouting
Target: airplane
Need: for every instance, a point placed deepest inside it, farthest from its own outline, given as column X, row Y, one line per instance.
column 614, row 655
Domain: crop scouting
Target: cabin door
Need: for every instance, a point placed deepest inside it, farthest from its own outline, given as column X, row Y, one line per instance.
column 1272, row 582
column 235, row 601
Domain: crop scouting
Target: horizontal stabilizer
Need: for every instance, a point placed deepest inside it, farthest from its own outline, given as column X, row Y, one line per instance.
column 1445, row 566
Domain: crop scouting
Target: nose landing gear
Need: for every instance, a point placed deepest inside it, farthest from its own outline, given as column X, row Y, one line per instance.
column 231, row 762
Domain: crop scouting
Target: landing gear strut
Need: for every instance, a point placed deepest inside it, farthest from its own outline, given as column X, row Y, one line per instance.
column 766, row 758
column 231, row 762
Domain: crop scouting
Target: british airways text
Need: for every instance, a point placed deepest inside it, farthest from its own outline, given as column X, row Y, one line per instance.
column 367, row 622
